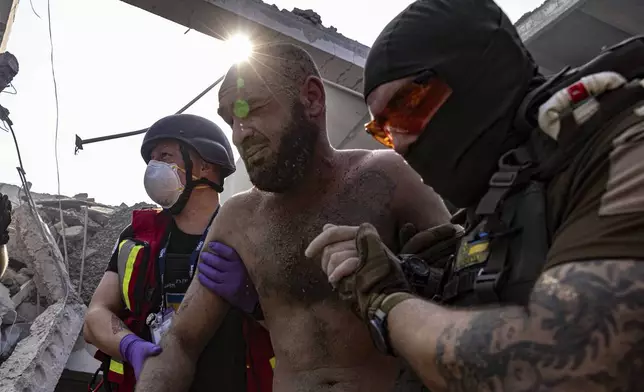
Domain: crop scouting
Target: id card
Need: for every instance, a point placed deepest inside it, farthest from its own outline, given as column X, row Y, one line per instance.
column 161, row 325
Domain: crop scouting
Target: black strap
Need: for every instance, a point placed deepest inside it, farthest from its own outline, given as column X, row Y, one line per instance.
column 483, row 281
column 190, row 183
column 459, row 284
column 487, row 279
column 514, row 171
column 105, row 383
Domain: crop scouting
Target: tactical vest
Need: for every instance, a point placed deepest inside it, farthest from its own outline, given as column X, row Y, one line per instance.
column 504, row 247
column 138, row 280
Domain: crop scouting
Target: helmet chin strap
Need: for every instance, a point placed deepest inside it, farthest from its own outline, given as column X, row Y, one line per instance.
column 190, row 184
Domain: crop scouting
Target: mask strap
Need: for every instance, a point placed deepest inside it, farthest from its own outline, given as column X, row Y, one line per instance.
column 190, row 183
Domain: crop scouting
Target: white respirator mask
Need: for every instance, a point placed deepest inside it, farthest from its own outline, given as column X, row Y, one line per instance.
column 162, row 183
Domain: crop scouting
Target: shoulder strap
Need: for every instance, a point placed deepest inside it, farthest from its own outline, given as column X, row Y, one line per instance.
column 515, row 170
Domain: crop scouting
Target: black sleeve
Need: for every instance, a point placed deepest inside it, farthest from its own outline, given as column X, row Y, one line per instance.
column 113, row 264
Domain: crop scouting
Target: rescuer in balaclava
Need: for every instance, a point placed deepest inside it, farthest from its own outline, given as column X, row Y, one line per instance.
column 551, row 259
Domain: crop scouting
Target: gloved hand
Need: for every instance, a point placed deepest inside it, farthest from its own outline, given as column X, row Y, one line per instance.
column 433, row 245
column 5, row 218
column 370, row 271
column 135, row 351
column 223, row 272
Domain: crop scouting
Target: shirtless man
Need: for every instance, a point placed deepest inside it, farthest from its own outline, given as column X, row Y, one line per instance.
column 275, row 105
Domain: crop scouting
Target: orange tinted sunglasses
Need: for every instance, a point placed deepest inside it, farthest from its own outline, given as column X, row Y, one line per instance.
column 410, row 108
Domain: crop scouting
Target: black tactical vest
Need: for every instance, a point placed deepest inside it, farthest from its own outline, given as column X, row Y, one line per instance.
column 504, row 247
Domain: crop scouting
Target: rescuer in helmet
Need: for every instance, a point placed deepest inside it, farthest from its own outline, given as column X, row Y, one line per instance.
column 155, row 258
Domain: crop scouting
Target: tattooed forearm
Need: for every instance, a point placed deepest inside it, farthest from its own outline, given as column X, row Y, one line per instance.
column 117, row 325
column 583, row 330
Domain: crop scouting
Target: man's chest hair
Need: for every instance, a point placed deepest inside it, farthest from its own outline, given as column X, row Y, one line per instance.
column 275, row 242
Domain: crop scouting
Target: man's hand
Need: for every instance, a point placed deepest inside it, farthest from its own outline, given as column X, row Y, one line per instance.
column 223, row 272
column 136, row 350
column 432, row 244
column 362, row 268
column 339, row 252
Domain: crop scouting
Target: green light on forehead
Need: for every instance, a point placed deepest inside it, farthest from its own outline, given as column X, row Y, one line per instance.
column 241, row 108
column 240, row 82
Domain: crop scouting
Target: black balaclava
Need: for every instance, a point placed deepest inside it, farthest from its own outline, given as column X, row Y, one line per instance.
column 473, row 46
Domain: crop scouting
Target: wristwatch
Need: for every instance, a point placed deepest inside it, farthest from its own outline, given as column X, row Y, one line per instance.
column 377, row 322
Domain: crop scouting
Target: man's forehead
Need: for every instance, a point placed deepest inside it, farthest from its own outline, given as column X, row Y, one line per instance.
column 243, row 77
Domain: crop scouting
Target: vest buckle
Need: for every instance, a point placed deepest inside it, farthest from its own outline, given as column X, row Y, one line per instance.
column 485, row 285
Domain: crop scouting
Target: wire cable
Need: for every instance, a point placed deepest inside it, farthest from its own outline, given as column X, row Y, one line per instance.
column 41, row 226
column 53, row 75
column 31, row 2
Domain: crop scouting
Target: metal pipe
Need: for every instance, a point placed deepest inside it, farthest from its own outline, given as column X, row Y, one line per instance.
column 80, row 142
column 82, row 267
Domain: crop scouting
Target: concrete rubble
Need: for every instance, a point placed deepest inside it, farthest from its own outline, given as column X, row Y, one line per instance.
column 41, row 309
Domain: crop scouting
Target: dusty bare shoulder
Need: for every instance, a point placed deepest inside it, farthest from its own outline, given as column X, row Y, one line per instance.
column 233, row 216
column 412, row 200
column 389, row 162
column 358, row 161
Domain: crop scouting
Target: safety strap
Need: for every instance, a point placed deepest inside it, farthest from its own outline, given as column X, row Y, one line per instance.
column 516, row 168
column 105, row 383
column 514, row 171
column 459, row 284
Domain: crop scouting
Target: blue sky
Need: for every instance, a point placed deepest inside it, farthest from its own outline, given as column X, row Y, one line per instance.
column 119, row 69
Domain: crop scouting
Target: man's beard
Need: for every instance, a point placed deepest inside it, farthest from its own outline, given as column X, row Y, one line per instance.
column 280, row 172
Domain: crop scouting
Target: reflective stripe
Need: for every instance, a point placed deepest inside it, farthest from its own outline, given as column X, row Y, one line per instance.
column 116, row 366
column 128, row 251
column 272, row 361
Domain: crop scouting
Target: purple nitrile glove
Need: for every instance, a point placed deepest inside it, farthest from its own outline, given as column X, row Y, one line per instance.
column 135, row 351
column 222, row 271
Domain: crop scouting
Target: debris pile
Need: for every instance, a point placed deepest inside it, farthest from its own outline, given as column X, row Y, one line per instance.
column 41, row 311
column 100, row 245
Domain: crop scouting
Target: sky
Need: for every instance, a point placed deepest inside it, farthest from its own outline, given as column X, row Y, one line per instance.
column 119, row 69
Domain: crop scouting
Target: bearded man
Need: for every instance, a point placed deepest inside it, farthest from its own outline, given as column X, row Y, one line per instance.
column 276, row 107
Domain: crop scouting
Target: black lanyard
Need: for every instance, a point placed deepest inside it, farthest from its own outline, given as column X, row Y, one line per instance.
column 194, row 257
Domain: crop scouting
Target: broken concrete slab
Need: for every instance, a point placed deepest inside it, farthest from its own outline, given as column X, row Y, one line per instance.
column 27, row 272
column 25, row 292
column 15, row 247
column 68, row 204
column 38, row 360
column 45, row 257
column 89, row 252
column 27, row 311
column 100, row 215
column 6, row 304
column 11, row 280
column 72, row 233
column 71, row 218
